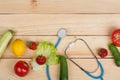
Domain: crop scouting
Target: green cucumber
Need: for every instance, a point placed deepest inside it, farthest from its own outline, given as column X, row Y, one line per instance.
column 4, row 40
column 63, row 68
column 115, row 53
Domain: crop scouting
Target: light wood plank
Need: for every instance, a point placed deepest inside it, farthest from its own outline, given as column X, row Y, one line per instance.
column 49, row 24
column 111, row 71
column 78, row 51
column 59, row 6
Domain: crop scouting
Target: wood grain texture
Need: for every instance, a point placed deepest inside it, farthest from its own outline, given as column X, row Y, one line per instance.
column 111, row 71
column 31, row 21
column 49, row 24
column 59, row 6
column 77, row 51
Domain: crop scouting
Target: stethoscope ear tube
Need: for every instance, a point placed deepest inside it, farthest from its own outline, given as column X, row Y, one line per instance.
column 88, row 73
column 97, row 77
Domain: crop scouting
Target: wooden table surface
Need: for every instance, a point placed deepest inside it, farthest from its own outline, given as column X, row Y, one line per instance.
column 39, row 20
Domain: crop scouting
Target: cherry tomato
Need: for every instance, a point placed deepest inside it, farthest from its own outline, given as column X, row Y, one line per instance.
column 103, row 53
column 32, row 45
column 41, row 60
column 21, row 68
column 116, row 37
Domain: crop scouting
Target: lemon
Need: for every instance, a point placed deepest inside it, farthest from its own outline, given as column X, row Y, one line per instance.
column 18, row 47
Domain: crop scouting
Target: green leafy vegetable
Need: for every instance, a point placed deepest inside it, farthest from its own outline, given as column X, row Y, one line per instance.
column 49, row 51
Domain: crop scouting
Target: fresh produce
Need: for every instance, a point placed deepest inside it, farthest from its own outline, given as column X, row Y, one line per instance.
column 116, row 37
column 4, row 40
column 63, row 68
column 103, row 53
column 49, row 51
column 32, row 45
column 18, row 47
column 35, row 66
column 115, row 53
column 41, row 60
column 21, row 68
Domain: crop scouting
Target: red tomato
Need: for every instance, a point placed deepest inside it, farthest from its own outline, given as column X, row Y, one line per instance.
column 41, row 60
column 116, row 37
column 21, row 68
column 103, row 53
column 32, row 45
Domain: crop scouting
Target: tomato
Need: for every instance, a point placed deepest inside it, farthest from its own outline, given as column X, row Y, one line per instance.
column 41, row 60
column 21, row 68
column 116, row 37
column 103, row 53
column 32, row 45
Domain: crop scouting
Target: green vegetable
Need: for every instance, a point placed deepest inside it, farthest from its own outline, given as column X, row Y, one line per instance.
column 63, row 68
column 115, row 53
column 49, row 51
column 4, row 40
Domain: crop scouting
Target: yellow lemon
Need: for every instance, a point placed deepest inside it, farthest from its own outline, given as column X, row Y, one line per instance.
column 18, row 47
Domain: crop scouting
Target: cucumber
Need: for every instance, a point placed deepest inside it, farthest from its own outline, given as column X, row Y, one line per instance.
column 4, row 40
column 115, row 53
column 63, row 68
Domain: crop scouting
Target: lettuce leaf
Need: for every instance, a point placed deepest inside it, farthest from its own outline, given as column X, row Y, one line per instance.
column 49, row 51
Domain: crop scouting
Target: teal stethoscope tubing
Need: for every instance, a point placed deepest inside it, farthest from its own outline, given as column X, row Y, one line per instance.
column 47, row 67
column 97, row 77
column 88, row 73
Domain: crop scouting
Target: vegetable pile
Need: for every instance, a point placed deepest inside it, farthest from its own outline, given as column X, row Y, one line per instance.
column 49, row 51
column 113, row 47
column 46, row 54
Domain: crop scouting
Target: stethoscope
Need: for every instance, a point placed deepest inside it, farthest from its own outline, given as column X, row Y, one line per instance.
column 62, row 33
column 87, row 72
